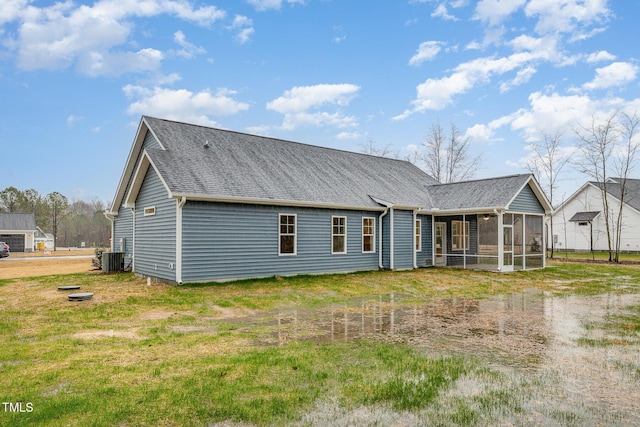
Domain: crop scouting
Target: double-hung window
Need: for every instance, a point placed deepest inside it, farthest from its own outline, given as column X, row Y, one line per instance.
column 339, row 235
column 418, row 235
column 287, row 244
column 460, row 235
column 368, row 235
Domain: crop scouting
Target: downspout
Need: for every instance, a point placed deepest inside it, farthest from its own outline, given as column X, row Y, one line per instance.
column 111, row 218
column 391, row 242
column 415, row 250
column 181, row 202
column 382, row 215
column 133, row 243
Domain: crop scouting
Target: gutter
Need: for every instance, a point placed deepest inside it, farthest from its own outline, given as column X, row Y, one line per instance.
column 179, row 205
column 111, row 217
column 386, row 211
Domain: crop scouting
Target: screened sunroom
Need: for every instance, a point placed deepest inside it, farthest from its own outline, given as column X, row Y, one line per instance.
column 495, row 242
column 506, row 235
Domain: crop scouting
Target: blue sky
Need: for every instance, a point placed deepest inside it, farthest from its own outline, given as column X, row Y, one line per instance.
column 75, row 77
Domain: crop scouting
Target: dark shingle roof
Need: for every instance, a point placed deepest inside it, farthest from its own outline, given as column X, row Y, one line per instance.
column 238, row 165
column 482, row 193
column 17, row 221
column 584, row 216
column 631, row 191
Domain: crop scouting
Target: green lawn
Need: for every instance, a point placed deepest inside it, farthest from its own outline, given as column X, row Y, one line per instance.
column 140, row 355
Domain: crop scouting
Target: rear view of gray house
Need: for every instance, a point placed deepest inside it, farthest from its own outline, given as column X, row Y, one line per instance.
column 199, row 204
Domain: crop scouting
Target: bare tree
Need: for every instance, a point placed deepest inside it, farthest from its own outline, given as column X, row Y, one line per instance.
column 547, row 163
column 446, row 157
column 597, row 142
column 624, row 163
column 373, row 149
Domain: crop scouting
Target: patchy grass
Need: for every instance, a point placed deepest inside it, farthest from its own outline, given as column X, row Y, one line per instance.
column 162, row 355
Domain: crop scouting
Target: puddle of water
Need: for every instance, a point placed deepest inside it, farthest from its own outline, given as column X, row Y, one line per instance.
column 527, row 334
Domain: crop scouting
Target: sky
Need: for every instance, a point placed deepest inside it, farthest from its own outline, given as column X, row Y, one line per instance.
column 76, row 77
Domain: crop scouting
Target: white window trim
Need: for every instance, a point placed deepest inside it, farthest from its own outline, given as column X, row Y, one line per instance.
column 295, row 235
column 466, row 240
column 373, row 235
column 149, row 211
column 334, row 235
column 418, row 235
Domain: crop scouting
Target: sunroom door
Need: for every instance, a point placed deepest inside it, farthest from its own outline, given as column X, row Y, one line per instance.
column 441, row 243
column 507, row 253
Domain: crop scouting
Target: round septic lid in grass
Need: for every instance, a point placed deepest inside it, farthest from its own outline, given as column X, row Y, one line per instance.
column 82, row 296
column 68, row 288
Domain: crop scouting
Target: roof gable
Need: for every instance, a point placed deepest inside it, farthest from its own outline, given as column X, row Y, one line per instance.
column 487, row 194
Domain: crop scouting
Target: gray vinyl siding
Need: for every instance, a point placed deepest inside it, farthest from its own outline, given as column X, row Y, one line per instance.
column 123, row 223
column 123, row 229
column 403, row 231
column 150, row 142
column 155, row 239
column 424, row 258
column 231, row 241
column 526, row 201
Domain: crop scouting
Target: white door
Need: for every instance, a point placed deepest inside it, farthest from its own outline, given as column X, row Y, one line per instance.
column 441, row 243
column 507, row 233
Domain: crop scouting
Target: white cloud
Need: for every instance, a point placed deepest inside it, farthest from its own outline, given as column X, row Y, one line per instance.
column 58, row 36
column 11, row 10
column 566, row 16
column 118, row 63
column 436, row 94
column 494, row 12
column 188, row 50
column 522, row 77
column 182, row 104
column 262, row 5
column 602, row 55
column 615, row 74
column 348, row 135
column 296, row 103
column 442, row 12
column 244, row 26
column 426, row 52
column 301, row 98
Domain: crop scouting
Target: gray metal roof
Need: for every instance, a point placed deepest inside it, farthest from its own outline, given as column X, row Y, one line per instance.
column 482, row 193
column 584, row 216
column 17, row 222
column 237, row 165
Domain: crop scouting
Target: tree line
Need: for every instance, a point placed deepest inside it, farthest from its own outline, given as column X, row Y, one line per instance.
column 69, row 223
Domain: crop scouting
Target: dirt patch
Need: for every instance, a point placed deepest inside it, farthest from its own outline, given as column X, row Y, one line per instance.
column 90, row 335
column 157, row 315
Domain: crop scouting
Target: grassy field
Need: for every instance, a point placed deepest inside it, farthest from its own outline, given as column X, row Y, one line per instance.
column 597, row 256
column 161, row 355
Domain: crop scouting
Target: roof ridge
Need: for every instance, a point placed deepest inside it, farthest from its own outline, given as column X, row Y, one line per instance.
column 283, row 140
column 481, row 179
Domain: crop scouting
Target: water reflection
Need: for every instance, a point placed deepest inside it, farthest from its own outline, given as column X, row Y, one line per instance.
column 524, row 332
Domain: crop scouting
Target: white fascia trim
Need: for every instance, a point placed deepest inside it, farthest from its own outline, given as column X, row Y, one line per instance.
column 449, row 212
column 537, row 190
column 129, row 165
column 273, row 202
column 138, row 178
